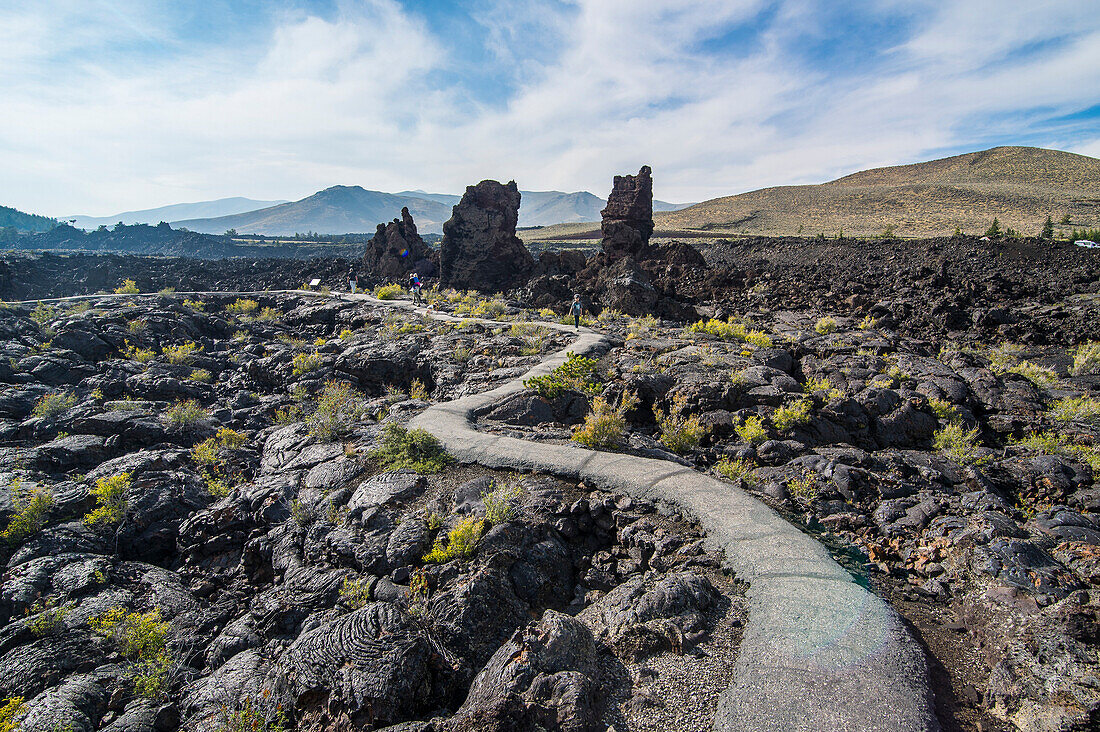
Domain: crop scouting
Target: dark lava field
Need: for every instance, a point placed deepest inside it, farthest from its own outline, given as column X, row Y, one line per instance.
column 214, row 517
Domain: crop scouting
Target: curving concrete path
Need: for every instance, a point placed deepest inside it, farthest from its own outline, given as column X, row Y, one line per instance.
column 819, row 653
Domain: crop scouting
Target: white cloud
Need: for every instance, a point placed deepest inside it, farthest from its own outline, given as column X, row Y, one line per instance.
column 354, row 98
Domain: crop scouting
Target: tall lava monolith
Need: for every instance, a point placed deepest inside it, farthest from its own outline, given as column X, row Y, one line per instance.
column 397, row 249
column 480, row 249
column 628, row 218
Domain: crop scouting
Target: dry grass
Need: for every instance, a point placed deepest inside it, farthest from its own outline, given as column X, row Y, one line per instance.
column 1021, row 186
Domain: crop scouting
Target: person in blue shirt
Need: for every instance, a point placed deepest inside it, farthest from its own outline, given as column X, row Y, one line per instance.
column 577, row 310
column 414, row 285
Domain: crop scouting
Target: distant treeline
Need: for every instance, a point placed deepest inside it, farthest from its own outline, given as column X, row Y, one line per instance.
column 13, row 221
column 163, row 240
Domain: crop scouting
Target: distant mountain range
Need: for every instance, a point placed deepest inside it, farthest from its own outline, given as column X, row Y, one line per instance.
column 1020, row 186
column 24, row 222
column 175, row 212
column 350, row 209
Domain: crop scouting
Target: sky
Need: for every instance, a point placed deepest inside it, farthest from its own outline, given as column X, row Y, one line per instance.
column 113, row 105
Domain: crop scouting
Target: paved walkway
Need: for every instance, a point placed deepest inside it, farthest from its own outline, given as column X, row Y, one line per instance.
column 819, row 653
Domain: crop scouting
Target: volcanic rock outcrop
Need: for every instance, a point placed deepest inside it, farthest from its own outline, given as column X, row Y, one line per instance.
column 480, row 248
column 397, row 249
column 628, row 218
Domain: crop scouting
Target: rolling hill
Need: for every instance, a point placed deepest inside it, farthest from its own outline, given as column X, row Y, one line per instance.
column 11, row 218
column 335, row 210
column 174, row 212
column 1020, row 186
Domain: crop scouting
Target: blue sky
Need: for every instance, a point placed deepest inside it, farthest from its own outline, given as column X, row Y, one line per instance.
column 111, row 105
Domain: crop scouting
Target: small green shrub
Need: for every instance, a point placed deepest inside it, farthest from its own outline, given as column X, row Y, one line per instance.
column 128, row 287
column 751, row 430
column 180, row 354
column 202, row 376
column 30, row 507
column 1004, row 355
column 736, row 469
column 230, row 439
column 491, row 309
column 355, row 594
column 417, row 390
column 461, row 541
column 462, row 355
column 825, row 325
column 960, row 444
column 1053, row 443
column 48, row 617
column 791, row 415
column 388, row 292
column 110, row 494
column 288, row 415
column 150, row 676
column 52, row 404
column 680, row 432
column 577, row 373
column 731, row 330
column 1040, row 376
column 43, row 313
column 301, row 513
column 339, row 406
column 138, row 636
column 804, row 488
column 943, row 409
column 1086, row 357
column 303, row 363
column 414, row 449
column 242, row 307
column 134, row 353
column 640, row 327
column 185, row 414
column 142, row 639
column 217, row 487
column 605, row 424
column 196, row 305
column 251, row 715
column 11, row 713
column 501, row 504
column 137, row 327
column 346, row 333
column 867, row 323
column 268, row 315
column 1079, row 409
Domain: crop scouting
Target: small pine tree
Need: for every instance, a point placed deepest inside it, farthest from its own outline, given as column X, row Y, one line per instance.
column 958, row 230
column 1066, row 221
column 1048, row 229
column 994, row 230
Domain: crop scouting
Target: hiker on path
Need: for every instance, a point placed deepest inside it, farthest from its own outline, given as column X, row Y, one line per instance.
column 577, row 310
column 414, row 285
column 353, row 279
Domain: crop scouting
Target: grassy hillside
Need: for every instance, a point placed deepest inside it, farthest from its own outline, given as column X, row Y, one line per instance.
column 11, row 218
column 1020, row 186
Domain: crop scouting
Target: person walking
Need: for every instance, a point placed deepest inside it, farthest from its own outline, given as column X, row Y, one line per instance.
column 577, row 309
column 353, row 279
column 414, row 286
